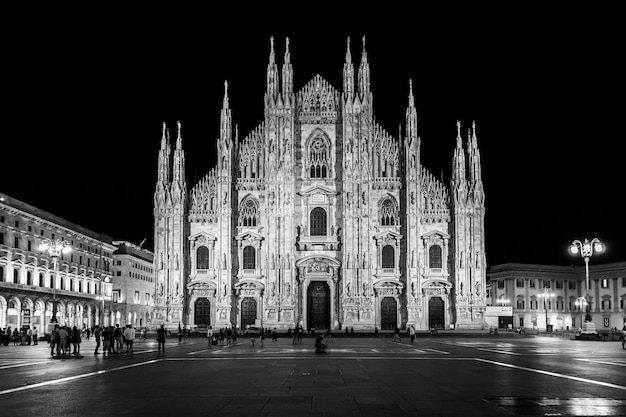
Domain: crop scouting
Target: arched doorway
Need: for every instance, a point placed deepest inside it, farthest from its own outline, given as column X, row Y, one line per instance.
column 318, row 301
column 202, row 312
column 436, row 317
column 388, row 314
column 248, row 312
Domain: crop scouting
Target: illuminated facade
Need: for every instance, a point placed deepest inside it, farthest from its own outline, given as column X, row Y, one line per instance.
column 523, row 284
column 320, row 217
column 28, row 282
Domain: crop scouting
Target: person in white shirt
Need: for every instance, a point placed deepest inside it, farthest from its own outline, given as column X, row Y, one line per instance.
column 209, row 335
column 129, row 338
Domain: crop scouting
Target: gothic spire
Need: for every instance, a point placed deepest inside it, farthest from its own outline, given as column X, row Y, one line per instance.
column 364, row 73
column 272, row 73
column 458, row 180
column 287, row 73
column 475, row 166
column 164, row 156
column 179, row 160
column 226, row 118
column 411, row 116
column 348, row 74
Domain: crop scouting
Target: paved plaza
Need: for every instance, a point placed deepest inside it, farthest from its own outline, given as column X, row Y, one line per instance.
column 446, row 375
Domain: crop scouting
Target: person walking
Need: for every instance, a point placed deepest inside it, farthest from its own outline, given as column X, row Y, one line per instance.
column 209, row 335
column 35, row 335
column 412, row 333
column 107, row 341
column 97, row 333
column 161, row 338
column 129, row 338
column 396, row 335
column 54, row 340
column 76, row 339
column 262, row 336
column 118, row 337
column 274, row 336
column 64, row 337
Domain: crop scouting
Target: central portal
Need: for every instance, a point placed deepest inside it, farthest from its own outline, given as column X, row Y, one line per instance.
column 248, row 312
column 318, row 300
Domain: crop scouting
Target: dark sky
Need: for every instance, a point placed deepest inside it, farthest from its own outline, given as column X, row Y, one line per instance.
column 87, row 100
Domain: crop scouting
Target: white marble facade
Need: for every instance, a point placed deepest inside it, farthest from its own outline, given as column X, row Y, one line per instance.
column 320, row 217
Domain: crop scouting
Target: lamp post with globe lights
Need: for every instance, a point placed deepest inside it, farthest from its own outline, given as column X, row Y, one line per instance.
column 106, row 290
column 586, row 250
column 545, row 294
column 55, row 248
column 581, row 303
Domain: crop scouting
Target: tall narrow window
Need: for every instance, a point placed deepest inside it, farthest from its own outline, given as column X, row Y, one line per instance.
column 318, row 158
column 202, row 258
column 16, row 276
column 318, row 222
column 41, row 281
column 388, row 210
column 248, row 213
column 249, row 258
column 1, row 273
column 388, row 256
column 29, row 278
column 434, row 256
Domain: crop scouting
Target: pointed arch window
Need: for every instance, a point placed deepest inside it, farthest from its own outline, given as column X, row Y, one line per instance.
column 202, row 258
column 248, row 213
column 249, row 258
column 434, row 256
column 388, row 212
column 319, row 158
column 318, row 222
column 389, row 256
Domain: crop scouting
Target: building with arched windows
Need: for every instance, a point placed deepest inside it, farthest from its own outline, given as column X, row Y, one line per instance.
column 31, row 281
column 320, row 217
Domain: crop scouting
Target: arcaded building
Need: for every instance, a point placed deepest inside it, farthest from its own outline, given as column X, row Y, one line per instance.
column 321, row 217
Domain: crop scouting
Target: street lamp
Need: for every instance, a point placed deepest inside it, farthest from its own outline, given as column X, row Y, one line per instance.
column 55, row 248
column 545, row 294
column 106, row 290
column 586, row 250
column 502, row 302
column 581, row 303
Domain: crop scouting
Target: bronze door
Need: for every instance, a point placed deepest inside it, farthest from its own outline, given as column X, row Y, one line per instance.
column 248, row 312
column 388, row 314
column 319, row 305
column 202, row 312
column 436, row 317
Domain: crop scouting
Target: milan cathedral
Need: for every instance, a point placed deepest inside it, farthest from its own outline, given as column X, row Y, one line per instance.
column 320, row 217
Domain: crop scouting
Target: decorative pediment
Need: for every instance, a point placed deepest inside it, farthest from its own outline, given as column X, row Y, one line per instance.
column 249, row 237
column 317, row 261
column 388, row 237
column 202, row 284
column 437, row 283
column 318, row 189
column 433, row 234
column 387, row 283
column 318, row 102
column 202, row 238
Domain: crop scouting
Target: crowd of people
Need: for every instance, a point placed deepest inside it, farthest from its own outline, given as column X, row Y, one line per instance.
column 24, row 336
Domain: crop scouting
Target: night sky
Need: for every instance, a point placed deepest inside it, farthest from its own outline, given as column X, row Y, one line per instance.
column 86, row 102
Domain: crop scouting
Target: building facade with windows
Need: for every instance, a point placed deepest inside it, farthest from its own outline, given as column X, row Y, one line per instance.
column 28, row 281
column 523, row 285
column 133, row 286
column 320, row 217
